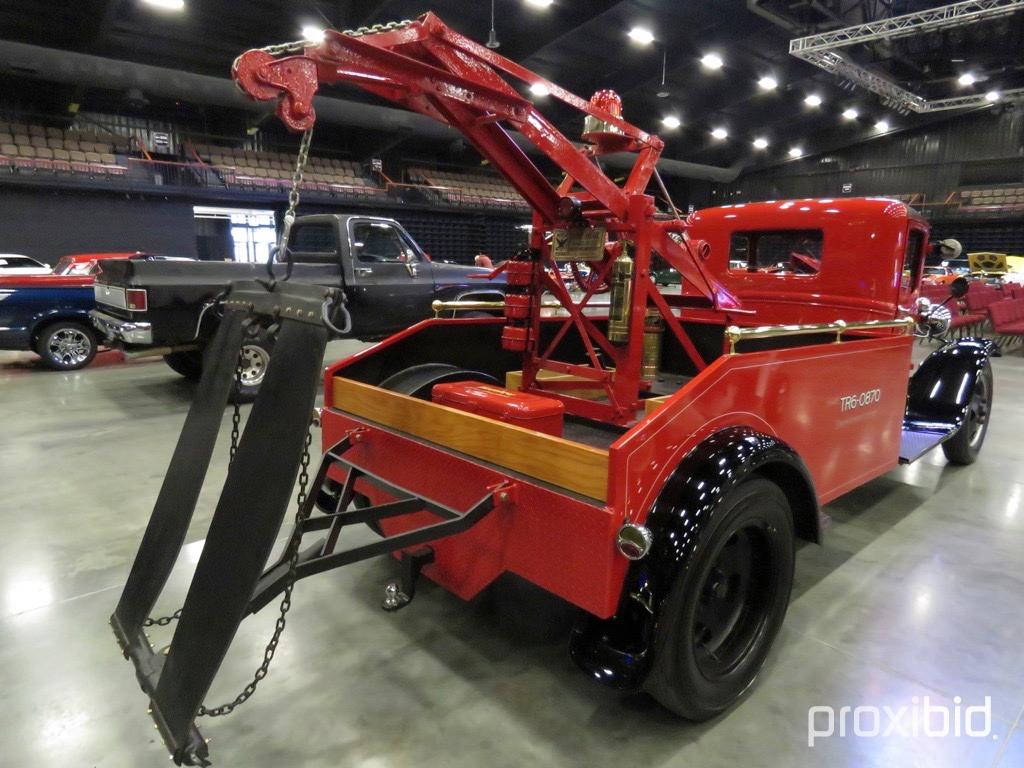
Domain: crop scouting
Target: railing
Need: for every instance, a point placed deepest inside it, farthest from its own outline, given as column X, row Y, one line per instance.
column 456, row 195
column 468, row 306
column 734, row 334
column 170, row 173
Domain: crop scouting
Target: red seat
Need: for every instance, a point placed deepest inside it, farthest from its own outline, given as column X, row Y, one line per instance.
column 1007, row 317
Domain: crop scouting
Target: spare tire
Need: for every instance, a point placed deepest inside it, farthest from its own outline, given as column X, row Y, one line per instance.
column 419, row 380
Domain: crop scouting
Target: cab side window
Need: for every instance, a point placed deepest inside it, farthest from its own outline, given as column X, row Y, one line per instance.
column 375, row 242
column 912, row 260
column 314, row 243
column 790, row 251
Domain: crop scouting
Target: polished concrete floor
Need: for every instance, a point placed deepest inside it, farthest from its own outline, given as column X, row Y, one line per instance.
column 917, row 593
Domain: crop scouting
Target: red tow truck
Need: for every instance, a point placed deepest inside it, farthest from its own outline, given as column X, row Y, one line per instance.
column 652, row 464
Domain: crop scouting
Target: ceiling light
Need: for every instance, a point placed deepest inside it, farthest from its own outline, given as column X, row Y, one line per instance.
column 767, row 83
column 641, row 35
column 966, row 79
column 312, row 33
column 795, row 151
column 719, row 133
column 671, row 121
column 167, row 5
column 813, row 100
column 992, row 96
column 882, row 126
column 539, row 3
column 760, row 143
column 539, row 89
column 711, row 61
column 850, row 114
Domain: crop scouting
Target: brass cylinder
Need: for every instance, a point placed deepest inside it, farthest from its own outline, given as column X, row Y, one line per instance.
column 621, row 299
column 654, row 327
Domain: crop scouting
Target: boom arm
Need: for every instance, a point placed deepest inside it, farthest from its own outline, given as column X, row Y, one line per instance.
column 429, row 68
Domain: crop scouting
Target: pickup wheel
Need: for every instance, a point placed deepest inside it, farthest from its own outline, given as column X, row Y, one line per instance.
column 965, row 445
column 187, row 364
column 255, row 357
column 66, row 345
column 724, row 610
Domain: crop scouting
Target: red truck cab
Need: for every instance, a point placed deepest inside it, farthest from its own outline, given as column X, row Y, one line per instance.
column 806, row 261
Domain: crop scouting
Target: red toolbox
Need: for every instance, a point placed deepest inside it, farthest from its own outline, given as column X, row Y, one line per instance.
column 541, row 414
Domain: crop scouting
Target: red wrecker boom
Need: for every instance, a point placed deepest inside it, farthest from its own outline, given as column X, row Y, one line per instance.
column 426, row 66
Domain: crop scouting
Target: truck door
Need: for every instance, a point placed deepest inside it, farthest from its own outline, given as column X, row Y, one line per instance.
column 392, row 280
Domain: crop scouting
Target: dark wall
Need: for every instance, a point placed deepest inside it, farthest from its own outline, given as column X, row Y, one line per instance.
column 47, row 224
column 978, row 149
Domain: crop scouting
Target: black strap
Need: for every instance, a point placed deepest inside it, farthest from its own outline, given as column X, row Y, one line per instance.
column 245, row 524
column 176, row 501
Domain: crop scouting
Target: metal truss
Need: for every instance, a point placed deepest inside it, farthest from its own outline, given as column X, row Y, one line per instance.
column 908, row 24
column 820, row 50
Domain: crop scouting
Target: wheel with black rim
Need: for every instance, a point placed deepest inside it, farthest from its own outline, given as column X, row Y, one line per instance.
column 965, row 445
column 254, row 358
column 725, row 608
column 66, row 346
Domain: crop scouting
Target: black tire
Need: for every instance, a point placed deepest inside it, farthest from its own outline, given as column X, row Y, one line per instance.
column 66, row 345
column 725, row 608
column 256, row 349
column 419, row 380
column 187, row 364
column 965, row 445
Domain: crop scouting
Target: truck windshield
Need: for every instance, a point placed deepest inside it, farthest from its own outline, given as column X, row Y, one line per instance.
column 793, row 251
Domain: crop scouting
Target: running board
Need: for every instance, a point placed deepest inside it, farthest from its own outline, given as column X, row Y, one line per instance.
column 916, row 441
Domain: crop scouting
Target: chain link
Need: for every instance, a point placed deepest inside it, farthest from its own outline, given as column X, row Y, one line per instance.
column 292, row 553
column 163, row 621
column 293, row 193
column 236, row 413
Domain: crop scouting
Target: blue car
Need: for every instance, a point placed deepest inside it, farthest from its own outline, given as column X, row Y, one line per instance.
column 49, row 314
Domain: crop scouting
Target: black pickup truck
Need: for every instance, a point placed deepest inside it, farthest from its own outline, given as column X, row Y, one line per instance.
column 170, row 308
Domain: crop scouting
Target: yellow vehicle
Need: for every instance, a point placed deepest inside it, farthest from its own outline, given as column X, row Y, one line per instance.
column 987, row 263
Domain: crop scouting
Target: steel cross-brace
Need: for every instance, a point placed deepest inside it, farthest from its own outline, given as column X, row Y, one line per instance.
column 429, row 68
column 822, row 50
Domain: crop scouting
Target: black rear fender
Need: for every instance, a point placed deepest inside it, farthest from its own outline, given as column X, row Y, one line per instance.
column 617, row 651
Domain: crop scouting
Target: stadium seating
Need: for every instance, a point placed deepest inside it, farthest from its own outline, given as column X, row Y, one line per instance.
column 468, row 188
column 992, row 197
column 36, row 148
column 273, row 170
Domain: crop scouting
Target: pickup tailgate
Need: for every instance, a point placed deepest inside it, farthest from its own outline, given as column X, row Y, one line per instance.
column 177, row 290
column 168, row 283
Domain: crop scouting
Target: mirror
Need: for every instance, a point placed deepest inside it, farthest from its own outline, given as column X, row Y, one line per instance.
column 959, row 287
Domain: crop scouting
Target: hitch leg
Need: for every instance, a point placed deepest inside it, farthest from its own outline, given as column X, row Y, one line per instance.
column 398, row 594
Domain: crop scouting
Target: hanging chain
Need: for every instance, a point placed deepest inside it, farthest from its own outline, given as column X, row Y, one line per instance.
column 292, row 553
column 163, row 621
column 293, row 193
column 236, row 413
